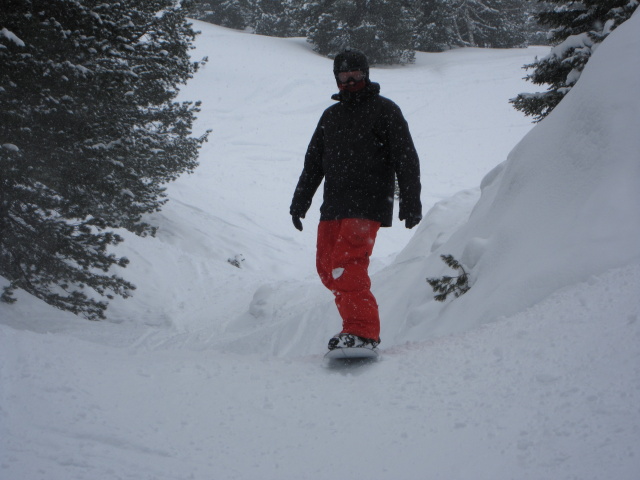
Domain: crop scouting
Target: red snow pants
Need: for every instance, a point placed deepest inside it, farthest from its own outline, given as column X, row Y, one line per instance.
column 342, row 259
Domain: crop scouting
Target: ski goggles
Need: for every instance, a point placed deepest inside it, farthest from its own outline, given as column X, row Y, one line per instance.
column 356, row 76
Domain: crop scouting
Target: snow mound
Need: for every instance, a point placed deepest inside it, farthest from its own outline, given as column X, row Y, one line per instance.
column 563, row 207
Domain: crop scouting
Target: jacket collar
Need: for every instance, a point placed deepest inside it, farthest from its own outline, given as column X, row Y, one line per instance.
column 370, row 90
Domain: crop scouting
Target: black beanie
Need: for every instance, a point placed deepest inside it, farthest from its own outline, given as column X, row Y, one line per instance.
column 350, row 60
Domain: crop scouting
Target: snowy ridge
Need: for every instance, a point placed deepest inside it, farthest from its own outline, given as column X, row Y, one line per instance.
column 563, row 207
column 213, row 371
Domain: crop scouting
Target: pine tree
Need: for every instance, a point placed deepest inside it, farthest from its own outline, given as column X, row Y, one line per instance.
column 90, row 132
column 277, row 18
column 444, row 286
column 576, row 28
column 431, row 32
column 238, row 14
column 445, row 24
column 383, row 30
column 305, row 14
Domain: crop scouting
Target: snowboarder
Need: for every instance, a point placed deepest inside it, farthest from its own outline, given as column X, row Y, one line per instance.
column 359, row 147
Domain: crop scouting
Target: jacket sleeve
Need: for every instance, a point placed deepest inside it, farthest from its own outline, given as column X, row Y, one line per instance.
column 312, row 174
column 406, row 164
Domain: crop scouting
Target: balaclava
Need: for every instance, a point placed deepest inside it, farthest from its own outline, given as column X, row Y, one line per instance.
column 351, row 60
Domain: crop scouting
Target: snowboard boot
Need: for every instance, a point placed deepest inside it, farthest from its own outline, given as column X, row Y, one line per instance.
column 347, row 340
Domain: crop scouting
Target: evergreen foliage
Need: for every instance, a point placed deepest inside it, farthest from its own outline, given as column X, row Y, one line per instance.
column 305, row 14
column 576, row 28
column 431, row 34
column 447, row 285
column 381, row 29
column 386, row 31
column 446, row 24
column 236, row 14
column 90, row 133
column 277, row 18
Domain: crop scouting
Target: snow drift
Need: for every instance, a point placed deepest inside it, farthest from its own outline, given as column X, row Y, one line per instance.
column 563, row 207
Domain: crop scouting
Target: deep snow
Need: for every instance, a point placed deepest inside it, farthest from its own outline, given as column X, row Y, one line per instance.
column 215, row 372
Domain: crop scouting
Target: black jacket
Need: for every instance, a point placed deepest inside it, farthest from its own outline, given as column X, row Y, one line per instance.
column 359, row 146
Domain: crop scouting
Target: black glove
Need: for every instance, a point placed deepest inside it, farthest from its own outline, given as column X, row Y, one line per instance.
column 412, row 220
column 296, row 221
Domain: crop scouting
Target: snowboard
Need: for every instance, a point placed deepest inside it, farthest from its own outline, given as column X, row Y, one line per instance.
column 351, row 355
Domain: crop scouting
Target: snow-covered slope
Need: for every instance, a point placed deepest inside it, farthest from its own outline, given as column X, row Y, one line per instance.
column 563, row 207
column 213, row 371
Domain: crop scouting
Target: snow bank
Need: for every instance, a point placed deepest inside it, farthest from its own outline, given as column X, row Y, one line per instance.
column 563, row 207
